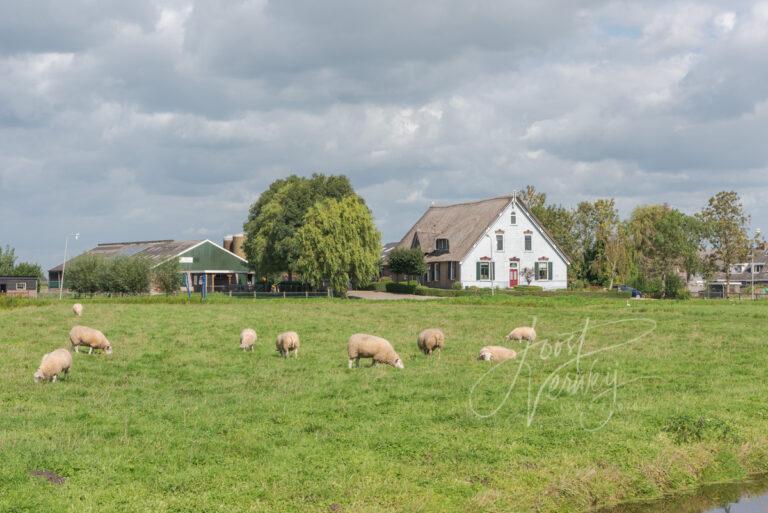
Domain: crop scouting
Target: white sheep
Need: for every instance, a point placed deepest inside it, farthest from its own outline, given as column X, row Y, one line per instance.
column 430, row 340
column 496, row 354
column 78, row 309
column 53, row 364
column 287, row 342
column 89, row 337
column 247, row 339
column 522, row 333
column 380, row 350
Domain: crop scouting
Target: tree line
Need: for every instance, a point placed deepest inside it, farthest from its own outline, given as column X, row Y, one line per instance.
column 653, row 248
column 10, row 267
column 92, row 274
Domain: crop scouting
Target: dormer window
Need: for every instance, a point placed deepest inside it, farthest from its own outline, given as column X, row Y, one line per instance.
column 441, row 245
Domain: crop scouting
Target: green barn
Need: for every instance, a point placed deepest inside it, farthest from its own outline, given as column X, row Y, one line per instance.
column 223, row 270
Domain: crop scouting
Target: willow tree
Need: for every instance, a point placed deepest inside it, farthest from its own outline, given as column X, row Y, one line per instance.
column 338, row 243
column 274, row 219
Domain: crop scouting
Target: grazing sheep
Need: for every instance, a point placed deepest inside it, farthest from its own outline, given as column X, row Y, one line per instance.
column 380, row 350
column 247, row 339
column 496, row 354
column 78, row 309
column 522, row 333
column 53, row 364
column 287, row 342
column 93, row 339
column 431, row 339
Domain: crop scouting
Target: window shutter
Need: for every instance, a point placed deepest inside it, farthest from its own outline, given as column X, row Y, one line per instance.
column 493, row 271
column 549, row 270
column 477, row 270
column 536, row 271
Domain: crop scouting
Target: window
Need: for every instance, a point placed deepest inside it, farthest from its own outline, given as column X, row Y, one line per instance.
column 758, row 268
column 528, row 243
column 20, row 285
column 437, row 272
column 451, row 271
column 543, row 271
column 513, row 217
column 499, row 242
column 485, row 271
column 441, row 244
column 431, row 272
column 513, row 265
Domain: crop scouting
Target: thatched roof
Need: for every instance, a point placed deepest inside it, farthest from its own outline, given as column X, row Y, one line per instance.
column 463, row 224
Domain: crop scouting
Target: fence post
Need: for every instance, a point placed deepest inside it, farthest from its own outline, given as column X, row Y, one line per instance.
column 283, row 294
column 306, row 294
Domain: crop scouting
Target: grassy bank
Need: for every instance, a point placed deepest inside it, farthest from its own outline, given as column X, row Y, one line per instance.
column 178, row 419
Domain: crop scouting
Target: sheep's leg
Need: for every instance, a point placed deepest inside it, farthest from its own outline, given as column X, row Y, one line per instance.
column 350, row 363
column 90, row 350
column 77, row 349
column 55, row 377
column 296, row 353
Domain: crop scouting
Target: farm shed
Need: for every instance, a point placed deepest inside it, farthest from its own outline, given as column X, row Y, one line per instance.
column 202, row 261
column 21, row 286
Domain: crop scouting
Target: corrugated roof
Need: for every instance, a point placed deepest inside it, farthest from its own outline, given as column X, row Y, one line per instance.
column 156, row 250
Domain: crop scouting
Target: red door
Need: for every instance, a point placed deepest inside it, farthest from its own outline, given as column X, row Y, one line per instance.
column 513, row 282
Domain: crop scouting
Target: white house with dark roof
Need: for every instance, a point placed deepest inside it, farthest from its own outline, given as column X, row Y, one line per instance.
column 494, row 241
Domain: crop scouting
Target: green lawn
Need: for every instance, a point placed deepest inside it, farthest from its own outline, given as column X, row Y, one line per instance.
column 179, row 419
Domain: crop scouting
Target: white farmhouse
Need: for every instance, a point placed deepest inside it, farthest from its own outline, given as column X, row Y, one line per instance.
column 494, row 241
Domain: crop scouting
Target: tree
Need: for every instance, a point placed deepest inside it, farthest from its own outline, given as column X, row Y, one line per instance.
column 84, row 274
column 167, row 276
column 596, row 225
column 665, row 240
column 271, row 245
column 407, row 261
column 339, row 243
column 7, row 260
column 725, row 229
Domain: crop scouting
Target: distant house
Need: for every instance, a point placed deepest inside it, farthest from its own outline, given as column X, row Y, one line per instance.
column 743, row 274
column 494, row 241
column 19, row 286
column 222, row 269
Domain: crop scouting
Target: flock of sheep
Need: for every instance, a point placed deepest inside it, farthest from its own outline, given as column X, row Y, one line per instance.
column 359, row 345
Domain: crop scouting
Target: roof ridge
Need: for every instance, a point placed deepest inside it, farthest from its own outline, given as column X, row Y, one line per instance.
column 473, row 202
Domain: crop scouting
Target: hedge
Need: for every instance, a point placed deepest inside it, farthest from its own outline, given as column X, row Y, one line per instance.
column 406, row 287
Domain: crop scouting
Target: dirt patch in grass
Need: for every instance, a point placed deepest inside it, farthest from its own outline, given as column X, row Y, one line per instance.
column 50, row 476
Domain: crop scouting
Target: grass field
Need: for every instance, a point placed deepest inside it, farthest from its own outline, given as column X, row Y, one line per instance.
column 179, row 419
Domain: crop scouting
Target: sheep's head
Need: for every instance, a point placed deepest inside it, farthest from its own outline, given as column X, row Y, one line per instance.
column 485, row 356
column 108, row 348
column 399, row 363
column 39, row 376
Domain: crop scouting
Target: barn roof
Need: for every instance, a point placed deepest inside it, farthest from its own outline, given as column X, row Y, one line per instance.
column 156, row 250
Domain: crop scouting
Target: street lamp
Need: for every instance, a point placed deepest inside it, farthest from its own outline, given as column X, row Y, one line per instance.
column 752, row 258
column 64, row 265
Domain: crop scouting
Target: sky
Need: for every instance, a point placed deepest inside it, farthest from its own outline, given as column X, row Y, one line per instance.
column 165, row 119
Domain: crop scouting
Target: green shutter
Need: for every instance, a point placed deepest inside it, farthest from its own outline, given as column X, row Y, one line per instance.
column 549, row 270
column 536, row 271
column 477, row 271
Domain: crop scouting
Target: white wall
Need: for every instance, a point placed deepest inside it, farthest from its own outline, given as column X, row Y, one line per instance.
column 514, row 244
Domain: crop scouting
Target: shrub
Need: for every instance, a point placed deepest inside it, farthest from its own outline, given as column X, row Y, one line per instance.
column 687, row 429
column 577, row 285
column 407, row 261
column 408, row 287
column 457, row 285
column 529, row 288
column 167, row 277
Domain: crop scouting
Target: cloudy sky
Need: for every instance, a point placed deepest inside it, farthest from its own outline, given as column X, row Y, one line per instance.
column 166, row 119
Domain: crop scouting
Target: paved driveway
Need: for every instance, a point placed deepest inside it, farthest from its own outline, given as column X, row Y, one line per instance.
column 375, row 295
